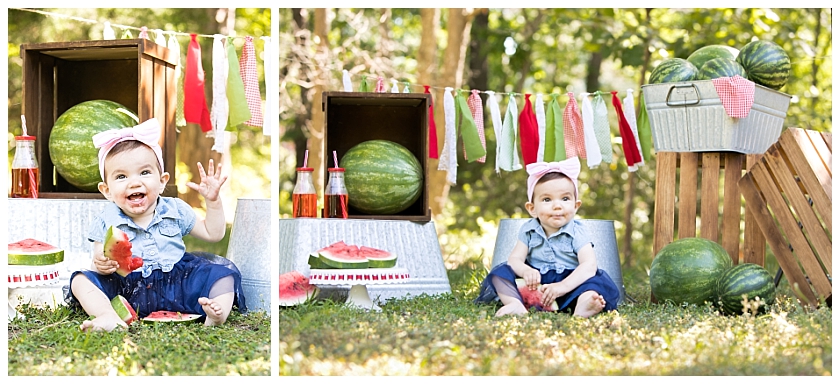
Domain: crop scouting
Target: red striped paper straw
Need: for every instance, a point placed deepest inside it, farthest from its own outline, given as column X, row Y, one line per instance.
column 33, row 184
column 305, row 158
column 335, row 159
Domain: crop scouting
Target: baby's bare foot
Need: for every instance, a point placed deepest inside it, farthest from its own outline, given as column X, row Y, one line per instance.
column 214, row 311
column 512, row 309
column 106, row 323
column 590, row 303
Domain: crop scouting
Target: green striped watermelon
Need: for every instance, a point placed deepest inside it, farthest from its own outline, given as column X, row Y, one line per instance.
column 746, row 280
column 382, row 177
column 766, row 63
column 342, row 256
column 687, row 271
column 720, row 67
column 673, row 70
column 34, row 252
column 71, row 139
column 704, row 54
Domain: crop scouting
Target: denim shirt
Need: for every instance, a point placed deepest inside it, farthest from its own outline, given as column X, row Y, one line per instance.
column 161, row 244
column 556, row 252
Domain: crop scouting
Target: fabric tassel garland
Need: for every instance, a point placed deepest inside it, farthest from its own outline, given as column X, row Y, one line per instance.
column 528, row 136
column 509, row 159
column 593, row 152
column 127, row 35
column 630, row 115
column 405, row 87
column 539, row 110
column 195, row 105
column 364, row 86
column 394, row 87
column 496, row 121
column 573, row 129
column 248, row 68
column 238, row 111
column 433, row 140
column 108, row 32
column 477, row 111
column 160, row 39
column 555, row 146
column 144, row 34
column 449, row 157
column 628, row 141
column 219, row 106
column 380, row 85
column 175, row 47
column 644, row 129
column 345, row 79
column 473, row 149
column 602, row 127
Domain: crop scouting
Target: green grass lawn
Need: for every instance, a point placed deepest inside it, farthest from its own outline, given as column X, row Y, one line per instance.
column 449, row 335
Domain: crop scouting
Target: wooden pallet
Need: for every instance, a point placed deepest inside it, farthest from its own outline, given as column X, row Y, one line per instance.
column 685, row 180
column 789, row 193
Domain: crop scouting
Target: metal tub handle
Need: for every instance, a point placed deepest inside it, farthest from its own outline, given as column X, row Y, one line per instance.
column 684, row 101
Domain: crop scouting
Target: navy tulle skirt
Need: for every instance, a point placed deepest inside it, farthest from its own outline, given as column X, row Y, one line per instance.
column 177, row 290
column 601, row 283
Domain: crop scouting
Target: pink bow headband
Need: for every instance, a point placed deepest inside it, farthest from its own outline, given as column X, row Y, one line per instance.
column 147, row 133
column 569, row 167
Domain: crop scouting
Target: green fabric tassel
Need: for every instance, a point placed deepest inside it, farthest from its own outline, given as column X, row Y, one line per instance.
column 469, row 131
column 237, row 104
column 364, row 86
column 555, row 143
column 643, row 126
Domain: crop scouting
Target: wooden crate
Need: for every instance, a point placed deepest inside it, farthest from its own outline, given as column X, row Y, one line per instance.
column 355, row 117
column 136, row 73
column 685, row 180
column 789, row 193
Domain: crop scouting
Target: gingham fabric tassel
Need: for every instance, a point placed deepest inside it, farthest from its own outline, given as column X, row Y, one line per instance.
column 593, row 152
column 602, row 127
column 630, row 115
column 238, row 111
column 539, row 110
column 473, row 149
column 219, row 107
column 144, row 34
column 449, row 157
column 477, row 111
column 173, row 46
column 405, row 88
column 573, row 127
column 345, row 79
column 248, row 69
column 380, row 85
column 509, row 158
column 496, row 121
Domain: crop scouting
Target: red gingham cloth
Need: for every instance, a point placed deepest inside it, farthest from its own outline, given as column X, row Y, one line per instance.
column 573, row 129
column 474, row 102
column 144, row 34
column 736, row 93
column 248, row 71
column 380, row 85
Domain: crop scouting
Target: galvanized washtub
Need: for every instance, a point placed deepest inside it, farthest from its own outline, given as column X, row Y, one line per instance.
column 250, row 249
column 415, row 243
column 602, row 233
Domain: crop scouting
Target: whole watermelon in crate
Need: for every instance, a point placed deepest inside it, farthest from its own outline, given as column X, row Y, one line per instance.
column 71, row 139
column 766, row 63
column 687, row 271
column 746, row 281
column 382, row 177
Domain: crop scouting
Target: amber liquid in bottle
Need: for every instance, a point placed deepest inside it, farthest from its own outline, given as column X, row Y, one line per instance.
column 304, row 205
column 23, row 183
column 335, row 206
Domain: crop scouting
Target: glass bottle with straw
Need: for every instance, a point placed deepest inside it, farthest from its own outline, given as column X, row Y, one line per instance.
column 304, row 197
column 335, row 195
column 24, row 166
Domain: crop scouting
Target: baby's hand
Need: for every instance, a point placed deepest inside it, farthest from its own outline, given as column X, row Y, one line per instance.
column 551, row 292
column 104, row 265
column 211, row 181
column 532, row 278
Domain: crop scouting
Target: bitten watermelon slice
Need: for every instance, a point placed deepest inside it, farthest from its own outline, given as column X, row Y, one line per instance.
column 378, row 258
column 117, row 247
column 34, row 252
column 532, row 299
column 170, row 316
column 343, row 256
column 124, row 310
column 295, row 289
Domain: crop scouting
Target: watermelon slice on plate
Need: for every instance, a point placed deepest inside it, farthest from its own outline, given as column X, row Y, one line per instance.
column 378, row 258
column 34, row 252
column 295, row 289
column 342, row 256
column 118, row 247
column 170, row 317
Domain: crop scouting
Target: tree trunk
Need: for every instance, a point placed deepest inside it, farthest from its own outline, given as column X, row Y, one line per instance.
column 452, row 75
column 299, row 139
column 478, row 69
column 593, row 72
column 531, row 27
column 321, row 81
column 193, row 144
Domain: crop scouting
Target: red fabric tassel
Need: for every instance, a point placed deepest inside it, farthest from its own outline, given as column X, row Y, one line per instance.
column 195, row 105
column 628, row 140
column 573, row 129
column 433, row 144
column 529, row 134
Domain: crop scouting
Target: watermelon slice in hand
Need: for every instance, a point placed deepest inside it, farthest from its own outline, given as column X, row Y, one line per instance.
column 117, row 247
column 34, row 252
column 295, row 289
column 124, row 310
column 533, row 298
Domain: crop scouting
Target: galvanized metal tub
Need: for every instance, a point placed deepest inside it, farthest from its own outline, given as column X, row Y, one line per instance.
column 250, row 248
column 415, row 243
column 602, row 233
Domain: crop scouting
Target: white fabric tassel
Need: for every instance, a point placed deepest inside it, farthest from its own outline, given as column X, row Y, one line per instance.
column 593, row 151
column 405, row 89
column 160, row 39
column 394, row 87
column 539, row 110
column 630, row 115
column 108, row 32
column 448, row 157
column 348, row 85
column 220, row 109
column 496, row 120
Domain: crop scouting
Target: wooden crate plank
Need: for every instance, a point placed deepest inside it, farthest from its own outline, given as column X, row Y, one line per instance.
column 801, row 247
column 822, row 149
column 663, row 209
column 710, row 196
column 813, row 186
column 731, row 227
column 827, row 139
column 764, row 220
column 784, row 178
column 754, row 244
column 687, row 225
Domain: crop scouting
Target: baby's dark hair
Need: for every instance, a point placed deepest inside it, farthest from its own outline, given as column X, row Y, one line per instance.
column 553, row 176
column 125, row 146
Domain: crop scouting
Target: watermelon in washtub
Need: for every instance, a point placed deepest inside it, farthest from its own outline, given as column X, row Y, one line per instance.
column 295, row 289
column 34, row 252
